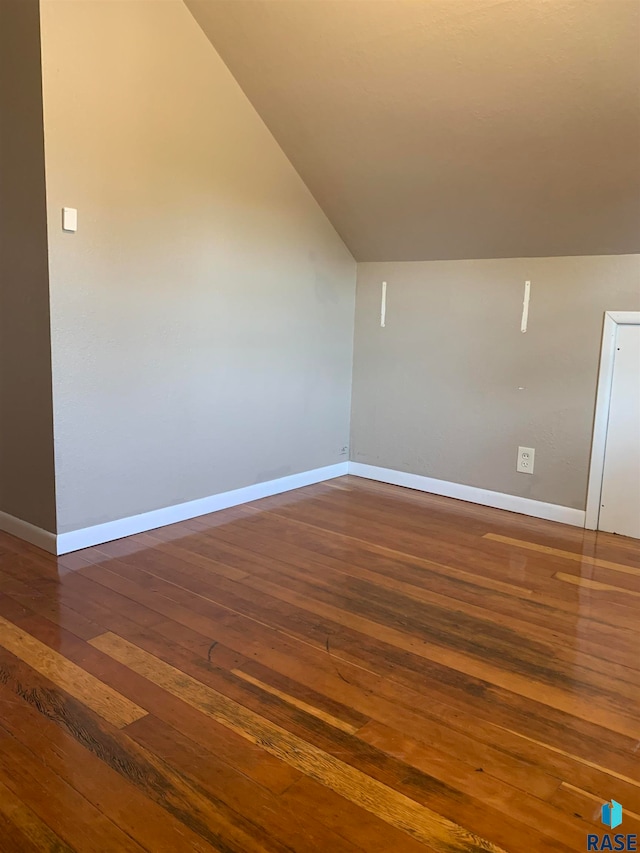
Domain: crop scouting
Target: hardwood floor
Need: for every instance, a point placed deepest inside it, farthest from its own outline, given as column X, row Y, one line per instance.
column 350, row 667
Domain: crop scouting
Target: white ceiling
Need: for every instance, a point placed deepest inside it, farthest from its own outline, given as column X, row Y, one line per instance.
column 450, row 128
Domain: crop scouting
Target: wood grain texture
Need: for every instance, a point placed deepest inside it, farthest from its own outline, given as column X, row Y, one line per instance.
column 101, row 698
column 298, row 703
column 34, row 833
column 584, row 559
column 371, row 795
column 351, row 667
column 589, row 583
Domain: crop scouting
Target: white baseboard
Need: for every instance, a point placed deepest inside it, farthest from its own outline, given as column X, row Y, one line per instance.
column 29, row 532
column 75, row 540
column 512, row 503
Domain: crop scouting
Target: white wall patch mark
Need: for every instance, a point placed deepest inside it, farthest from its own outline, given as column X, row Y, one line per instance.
column 525, row 306
column 383, row 305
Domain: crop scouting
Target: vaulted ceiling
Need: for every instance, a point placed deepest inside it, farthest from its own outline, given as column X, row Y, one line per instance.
column 450, row 128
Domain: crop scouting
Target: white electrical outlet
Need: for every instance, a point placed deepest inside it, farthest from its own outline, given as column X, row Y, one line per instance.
column 526, row 456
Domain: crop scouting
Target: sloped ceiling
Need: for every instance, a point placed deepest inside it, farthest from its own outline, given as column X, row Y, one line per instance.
column 450, row 128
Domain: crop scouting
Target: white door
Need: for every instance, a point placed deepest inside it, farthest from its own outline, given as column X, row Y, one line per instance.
column 620, row 497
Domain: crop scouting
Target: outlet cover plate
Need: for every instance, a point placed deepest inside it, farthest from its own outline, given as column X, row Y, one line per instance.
column 526, row 458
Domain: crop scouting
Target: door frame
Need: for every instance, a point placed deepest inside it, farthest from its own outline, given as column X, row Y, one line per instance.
column 612, row 319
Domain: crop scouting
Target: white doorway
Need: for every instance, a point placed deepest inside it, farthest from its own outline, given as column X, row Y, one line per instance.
column 613, row 500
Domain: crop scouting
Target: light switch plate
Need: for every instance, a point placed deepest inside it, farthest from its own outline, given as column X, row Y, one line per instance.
column 69, row 219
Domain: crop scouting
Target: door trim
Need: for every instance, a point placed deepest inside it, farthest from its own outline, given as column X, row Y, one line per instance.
column 612, row 319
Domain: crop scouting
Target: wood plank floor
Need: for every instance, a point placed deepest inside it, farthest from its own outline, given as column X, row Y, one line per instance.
column 351, row 667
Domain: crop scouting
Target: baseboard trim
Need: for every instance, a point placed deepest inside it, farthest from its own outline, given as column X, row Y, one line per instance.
column 28, row 532
column 498, row 500
column 75, row 540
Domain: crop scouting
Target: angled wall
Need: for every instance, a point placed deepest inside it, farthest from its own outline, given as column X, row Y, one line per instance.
column 202, row 314
column 27, row 486
column 432, row 129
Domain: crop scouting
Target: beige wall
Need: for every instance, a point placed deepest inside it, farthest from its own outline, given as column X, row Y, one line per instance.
column 436, row 391
column 202, row 315
column 27, row 488
column 451, row 128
